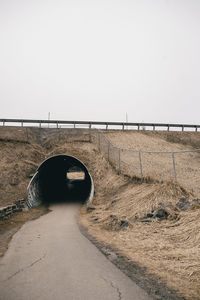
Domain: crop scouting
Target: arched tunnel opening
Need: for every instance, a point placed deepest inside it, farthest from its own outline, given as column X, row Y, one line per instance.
column 60, row 178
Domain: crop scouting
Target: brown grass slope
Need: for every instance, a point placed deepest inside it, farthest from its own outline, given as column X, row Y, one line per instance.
column 19, row 159
column 169, row 249
column 160, row 166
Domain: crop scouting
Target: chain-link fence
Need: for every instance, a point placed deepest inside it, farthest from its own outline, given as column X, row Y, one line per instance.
column 182, row 167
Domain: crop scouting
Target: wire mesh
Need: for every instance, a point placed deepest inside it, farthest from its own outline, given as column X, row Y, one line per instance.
column 180, row 166
column 158, row 166
column 188, row 170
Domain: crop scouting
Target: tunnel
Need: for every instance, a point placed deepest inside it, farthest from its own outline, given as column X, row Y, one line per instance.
column 60, row 178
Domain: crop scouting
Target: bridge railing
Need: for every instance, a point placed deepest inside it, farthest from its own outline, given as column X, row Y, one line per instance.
column 102, row 125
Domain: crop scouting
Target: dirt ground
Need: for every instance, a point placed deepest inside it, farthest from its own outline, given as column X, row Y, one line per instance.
column 166, row 249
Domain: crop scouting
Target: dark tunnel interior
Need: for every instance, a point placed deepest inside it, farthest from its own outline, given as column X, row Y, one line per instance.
column 56, row 186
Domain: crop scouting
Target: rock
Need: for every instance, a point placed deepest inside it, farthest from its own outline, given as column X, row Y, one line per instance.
column 114, row 201
column 94, row 218
column 123, row 223
column 146, row 220
column 113, row 217
column 164, row 211
column 183, row 204
column 149, row 215
column 90, row 207
column 161, row 213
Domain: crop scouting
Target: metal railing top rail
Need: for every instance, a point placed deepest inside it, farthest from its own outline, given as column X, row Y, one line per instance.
column 91, row 123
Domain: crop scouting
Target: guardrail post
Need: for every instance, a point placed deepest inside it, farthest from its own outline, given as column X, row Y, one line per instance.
column 57, row 125
column 174, row 167
column 106, row 126
column 167, row 127
column 119, row 161
column 154, row 127
column 196, row 129
column 138, row 127
column 22, row 123
column 123, row 126
column 3, row 123
column 182, row 128
column 90, row 132
column 141, row 167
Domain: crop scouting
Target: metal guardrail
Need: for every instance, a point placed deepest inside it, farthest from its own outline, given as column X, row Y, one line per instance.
column 90, row 124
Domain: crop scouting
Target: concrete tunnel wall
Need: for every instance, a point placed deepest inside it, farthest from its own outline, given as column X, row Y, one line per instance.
column 50, row 184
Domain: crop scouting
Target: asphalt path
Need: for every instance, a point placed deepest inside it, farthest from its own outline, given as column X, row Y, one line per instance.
column 49, row 259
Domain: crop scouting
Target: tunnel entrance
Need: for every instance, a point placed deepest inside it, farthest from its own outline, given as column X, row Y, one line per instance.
column 60, row 178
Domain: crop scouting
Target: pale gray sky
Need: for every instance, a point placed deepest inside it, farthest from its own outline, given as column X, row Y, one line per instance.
column 98, row 59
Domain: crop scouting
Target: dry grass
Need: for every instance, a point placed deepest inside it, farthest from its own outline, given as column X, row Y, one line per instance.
column 169, row 249
column 17, row 134
column 160, row 166
column 18, row 161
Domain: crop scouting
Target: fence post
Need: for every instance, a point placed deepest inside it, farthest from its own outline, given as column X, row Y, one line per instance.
column 119, row 161
column 174, row 167
column 140, row 159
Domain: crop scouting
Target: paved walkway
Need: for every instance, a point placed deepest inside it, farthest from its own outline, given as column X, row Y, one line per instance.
column 49, row 259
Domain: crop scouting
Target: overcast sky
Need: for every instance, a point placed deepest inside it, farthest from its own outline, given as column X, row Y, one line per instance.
column 100, row 59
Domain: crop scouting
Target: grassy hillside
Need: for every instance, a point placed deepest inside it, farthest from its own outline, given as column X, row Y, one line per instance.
column 167, row 247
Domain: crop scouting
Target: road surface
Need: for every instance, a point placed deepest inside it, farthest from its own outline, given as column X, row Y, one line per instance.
column 49, row 259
